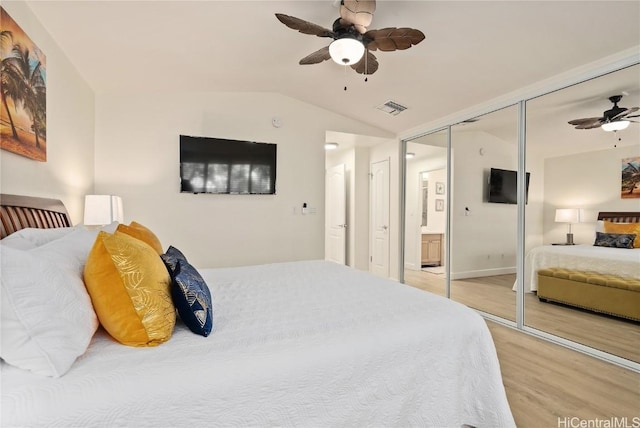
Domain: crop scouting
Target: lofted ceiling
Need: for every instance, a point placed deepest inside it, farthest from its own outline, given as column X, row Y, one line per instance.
column 474, row 51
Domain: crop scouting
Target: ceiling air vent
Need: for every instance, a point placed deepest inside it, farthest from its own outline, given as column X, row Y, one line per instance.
column 392, row 107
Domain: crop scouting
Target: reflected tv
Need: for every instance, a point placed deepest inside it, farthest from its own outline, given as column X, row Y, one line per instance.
column 503, row 186
column 222, row 166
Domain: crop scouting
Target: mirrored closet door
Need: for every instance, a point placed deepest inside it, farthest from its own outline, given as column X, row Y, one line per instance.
column 461, row 213
column 484, row 160
column 577, row 174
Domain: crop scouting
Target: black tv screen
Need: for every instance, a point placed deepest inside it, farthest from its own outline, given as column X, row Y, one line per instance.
column 216, row 165
column 503, row 186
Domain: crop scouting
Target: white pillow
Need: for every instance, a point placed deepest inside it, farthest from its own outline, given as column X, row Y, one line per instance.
column 29, row 238
column 47, row 319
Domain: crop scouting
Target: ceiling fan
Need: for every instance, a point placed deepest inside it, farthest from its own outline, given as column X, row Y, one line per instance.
column 614, row 119
column 351, row 38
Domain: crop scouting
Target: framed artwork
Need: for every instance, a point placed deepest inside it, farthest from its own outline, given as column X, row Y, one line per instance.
column 439, row 188
column 439, row 204
column 23, row 114
column 630, row 178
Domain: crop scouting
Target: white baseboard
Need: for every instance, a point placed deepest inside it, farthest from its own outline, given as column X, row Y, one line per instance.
column 482, row 273
column 411, row 266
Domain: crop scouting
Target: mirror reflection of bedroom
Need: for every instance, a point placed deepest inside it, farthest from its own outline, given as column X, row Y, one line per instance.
column 574, row 175
column 584, row 176
column 483, row 235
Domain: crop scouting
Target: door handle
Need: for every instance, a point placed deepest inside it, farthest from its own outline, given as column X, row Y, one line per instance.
column 385, row 227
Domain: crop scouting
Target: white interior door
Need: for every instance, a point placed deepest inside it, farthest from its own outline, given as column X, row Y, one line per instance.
column 336, row 215
column 379, row 259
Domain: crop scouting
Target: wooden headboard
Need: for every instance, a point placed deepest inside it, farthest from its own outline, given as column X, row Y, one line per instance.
column 18, row 212
column 620, row 217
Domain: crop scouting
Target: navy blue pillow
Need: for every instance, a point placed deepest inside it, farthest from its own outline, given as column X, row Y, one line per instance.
column 170, row 259
column 615, row 240
column 192, row 299
column 190, row 293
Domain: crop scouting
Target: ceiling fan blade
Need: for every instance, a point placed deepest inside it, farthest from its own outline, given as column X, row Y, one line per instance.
column 624, row 114
column 591, row 125
column 635, row 115
column 358, row 13
column 587, row 120
column 305, row 27
column 391, row 39
column 619, row 114
column 316, row 57
column 368, row 64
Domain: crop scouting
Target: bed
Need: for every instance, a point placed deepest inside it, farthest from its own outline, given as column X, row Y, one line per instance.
column 308, row 343
column 622, row 262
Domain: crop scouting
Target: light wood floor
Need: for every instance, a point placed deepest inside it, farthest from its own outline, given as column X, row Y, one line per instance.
column 545, row 382
column 494, row 295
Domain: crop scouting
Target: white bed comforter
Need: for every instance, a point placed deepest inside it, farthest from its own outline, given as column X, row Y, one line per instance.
column 306, row 344
column 617, row 261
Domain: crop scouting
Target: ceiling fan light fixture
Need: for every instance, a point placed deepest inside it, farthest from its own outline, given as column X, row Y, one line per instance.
column 346, row 50
column 618, row 125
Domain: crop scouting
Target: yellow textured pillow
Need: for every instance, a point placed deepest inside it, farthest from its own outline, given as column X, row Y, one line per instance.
column 130, row 290
column 142, row 233
column 610, row 227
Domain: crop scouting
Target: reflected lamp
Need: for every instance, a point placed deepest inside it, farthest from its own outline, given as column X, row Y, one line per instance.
column 570, row 216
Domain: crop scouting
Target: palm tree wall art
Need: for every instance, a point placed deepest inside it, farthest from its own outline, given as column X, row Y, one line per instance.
column 23, row 114
column 630, row 183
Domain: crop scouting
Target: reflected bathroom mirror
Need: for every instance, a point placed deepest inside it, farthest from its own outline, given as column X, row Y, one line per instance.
column 424, row 179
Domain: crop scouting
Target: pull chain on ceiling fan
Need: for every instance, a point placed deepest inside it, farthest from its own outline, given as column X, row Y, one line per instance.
column 352, row 42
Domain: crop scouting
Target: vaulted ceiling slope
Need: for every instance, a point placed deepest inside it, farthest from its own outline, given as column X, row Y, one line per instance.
column 474, row 51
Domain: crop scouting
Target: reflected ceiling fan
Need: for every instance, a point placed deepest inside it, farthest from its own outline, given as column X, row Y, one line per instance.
column 351, row 39
column 614, row 119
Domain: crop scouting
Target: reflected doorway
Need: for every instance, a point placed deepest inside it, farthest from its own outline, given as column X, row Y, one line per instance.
column 426, row 213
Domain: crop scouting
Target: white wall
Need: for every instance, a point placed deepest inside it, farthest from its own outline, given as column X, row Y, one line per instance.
column 360, row 228
column 137, row 158
column 436, row 220
column 590, row 181
column 68, row 172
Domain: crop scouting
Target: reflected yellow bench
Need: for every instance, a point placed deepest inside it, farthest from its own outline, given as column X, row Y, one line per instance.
column 608, row 294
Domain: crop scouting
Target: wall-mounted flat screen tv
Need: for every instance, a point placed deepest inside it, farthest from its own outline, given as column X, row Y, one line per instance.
column 217, row 165
column 503, row 186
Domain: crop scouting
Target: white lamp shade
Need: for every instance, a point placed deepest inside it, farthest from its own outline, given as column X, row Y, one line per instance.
column 102, row 209
column 618, row 125
column 568, row 215
column 346, row 51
